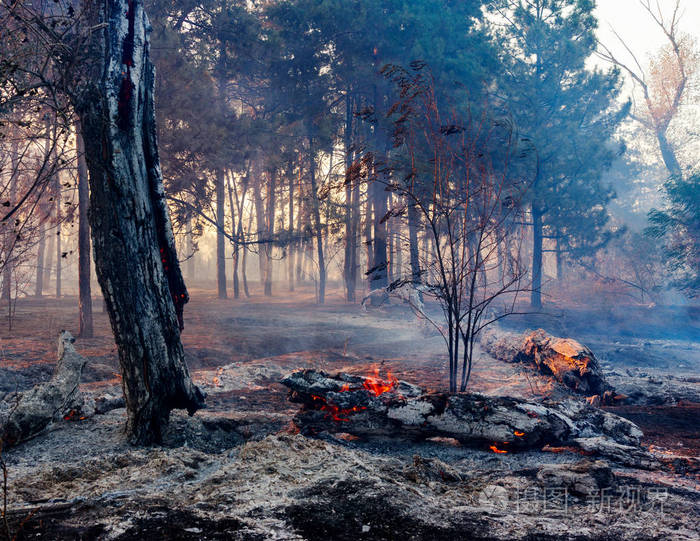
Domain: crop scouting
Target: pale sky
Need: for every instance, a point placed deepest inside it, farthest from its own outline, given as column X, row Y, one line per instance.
column 634, row 24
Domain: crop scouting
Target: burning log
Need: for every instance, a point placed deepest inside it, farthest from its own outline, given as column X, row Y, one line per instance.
column 388, row 408
column 27, row 414
column 571, row 363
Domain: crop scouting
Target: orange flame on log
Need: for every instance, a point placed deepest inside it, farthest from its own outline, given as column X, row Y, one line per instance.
column 377, row 386
column 519, row 434
column 496, row 449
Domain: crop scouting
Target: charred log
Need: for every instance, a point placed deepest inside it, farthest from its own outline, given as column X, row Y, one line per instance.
column 27, row 414
column 568, row 361
column 388, row 408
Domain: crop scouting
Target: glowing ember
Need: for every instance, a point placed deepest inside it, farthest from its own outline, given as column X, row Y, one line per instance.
column 378, row 386
column 519, row 434
column 497, row 450
column 336, row 413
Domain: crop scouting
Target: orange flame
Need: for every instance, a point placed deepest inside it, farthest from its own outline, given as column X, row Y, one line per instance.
column 519, row 434
column 497, row 450
column 216, row 381
column 378, row 386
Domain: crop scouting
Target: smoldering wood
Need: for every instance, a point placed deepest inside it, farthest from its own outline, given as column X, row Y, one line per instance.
column 569, row 362
column 27, row 414
column 347, row 403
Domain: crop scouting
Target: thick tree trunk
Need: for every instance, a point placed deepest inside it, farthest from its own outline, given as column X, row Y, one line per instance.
column 220, row 239
column 536, row 295
column 84, row 293
column 135, row 256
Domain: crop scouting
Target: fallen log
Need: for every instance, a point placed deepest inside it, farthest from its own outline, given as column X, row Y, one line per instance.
column 568, row 361
column 25, row 415
column 388, row 408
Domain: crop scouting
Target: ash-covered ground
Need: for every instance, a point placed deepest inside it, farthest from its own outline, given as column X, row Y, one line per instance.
column 239, row 470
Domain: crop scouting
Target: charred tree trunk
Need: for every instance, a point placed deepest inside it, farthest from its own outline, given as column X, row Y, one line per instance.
column 244, row 261
column 317, row 224
column 135, row 256
column 220, row 240
column 190, row 249
column 231, row 195
column 350, row 240
column 10, row 238
column 378, row 271
column 413, row 225
column 301, row 243
column 536, row 295
column 269, row 231
column 260, row 226
column 59, row 253
column 39, row 289
column 84, row 293
column 291, row 246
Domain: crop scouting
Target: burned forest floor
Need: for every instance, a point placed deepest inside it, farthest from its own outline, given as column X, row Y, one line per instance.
column 240, row 469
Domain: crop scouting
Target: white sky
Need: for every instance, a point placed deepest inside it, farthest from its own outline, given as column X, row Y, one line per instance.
column 634, row 24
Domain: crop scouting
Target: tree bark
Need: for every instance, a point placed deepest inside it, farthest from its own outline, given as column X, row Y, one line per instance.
column 220, row 240
column 350, row 294
column 190, row 249
column 291, row 246
column 668, row 155
column 10, row 238
column 536, row 295
column 59, row 254
column 84, row 293
column 269, row 230
column 378, row 277
column 317, row 225
column 135, row 256
column 231, row 195
column 413, row 226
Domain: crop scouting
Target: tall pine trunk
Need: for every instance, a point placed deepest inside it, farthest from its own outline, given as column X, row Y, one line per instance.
column 135, row 256
column 536, row 295
column 269, row 230
column 317, row 224
column 220, row 239
column 231, row 195
column 378, row 271
column 291, row 242
column 84, row 293
column 350, row 211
